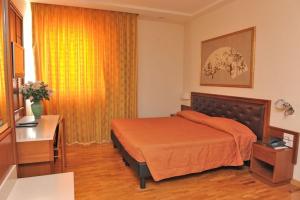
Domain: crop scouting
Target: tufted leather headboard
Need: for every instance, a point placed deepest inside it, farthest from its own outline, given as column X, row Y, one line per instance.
column 254, row 113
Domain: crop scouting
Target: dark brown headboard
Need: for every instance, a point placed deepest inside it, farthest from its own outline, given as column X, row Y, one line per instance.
column 254, row 113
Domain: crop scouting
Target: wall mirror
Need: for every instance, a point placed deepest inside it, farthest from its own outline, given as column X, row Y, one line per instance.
column 4, row 114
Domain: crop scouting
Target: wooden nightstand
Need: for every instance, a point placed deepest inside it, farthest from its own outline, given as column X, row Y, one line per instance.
column 274, row 166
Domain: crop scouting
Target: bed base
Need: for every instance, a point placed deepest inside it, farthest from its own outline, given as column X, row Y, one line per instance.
column 140, row 168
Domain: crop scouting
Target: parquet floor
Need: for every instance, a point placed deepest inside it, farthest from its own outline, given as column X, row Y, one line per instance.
column 101, row 174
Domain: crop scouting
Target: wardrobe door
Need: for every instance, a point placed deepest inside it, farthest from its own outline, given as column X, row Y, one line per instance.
column 16, row 39
column 7, row 131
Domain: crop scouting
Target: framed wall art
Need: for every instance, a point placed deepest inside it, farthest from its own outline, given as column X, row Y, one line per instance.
column 228, row 60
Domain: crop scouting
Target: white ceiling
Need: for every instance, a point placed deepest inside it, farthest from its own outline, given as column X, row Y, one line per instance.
column 166, row 10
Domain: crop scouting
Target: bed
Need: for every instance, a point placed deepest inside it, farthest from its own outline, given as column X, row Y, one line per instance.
column 219, row 131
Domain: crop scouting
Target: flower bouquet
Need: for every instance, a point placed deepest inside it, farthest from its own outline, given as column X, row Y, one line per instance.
column 36, row 92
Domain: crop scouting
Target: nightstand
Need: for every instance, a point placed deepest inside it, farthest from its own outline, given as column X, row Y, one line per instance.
column 274, row 166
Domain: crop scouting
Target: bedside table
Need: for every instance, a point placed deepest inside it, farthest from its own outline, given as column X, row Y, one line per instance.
column 274, row 166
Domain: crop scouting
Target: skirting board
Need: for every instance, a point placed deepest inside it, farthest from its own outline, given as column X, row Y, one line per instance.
column 8, row 182
column 295, row 182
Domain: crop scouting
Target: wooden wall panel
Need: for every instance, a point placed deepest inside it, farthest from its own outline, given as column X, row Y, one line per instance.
column 16, row 35
column 12, row 25
column 6, row 153
column 15, row 94
column 19, row 27
column 8, row 138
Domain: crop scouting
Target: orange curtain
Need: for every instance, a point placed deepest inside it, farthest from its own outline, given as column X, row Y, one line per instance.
column 88, row 57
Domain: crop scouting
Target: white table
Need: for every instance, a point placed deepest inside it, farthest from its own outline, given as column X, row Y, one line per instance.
column 45, row 130
column 48, row 187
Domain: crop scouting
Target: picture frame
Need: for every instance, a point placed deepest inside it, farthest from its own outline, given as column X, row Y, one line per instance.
column 228, row 60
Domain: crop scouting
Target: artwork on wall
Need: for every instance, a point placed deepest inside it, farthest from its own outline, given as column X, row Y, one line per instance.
column 228, row 60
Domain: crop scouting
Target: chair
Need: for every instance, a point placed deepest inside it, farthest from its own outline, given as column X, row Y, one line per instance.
column 59, row 144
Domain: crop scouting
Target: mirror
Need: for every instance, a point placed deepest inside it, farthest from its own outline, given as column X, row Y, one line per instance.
column 3, row 89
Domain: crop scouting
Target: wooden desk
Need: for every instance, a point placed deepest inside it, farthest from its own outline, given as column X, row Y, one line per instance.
column 35, row 149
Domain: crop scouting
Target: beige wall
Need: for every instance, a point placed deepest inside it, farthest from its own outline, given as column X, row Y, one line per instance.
column 160, row 67
column 277, row 63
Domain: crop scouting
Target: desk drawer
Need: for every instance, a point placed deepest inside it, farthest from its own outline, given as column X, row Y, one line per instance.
column 264, row 154
column 34, row 152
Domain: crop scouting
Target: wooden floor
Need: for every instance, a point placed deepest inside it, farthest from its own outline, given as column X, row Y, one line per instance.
column 101, row 174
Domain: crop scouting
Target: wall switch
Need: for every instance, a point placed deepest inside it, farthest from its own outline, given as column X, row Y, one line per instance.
column 288, row 136
column 288, row 139
column 289, row 144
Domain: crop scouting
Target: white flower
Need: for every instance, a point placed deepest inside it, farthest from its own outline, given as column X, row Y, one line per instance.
column 36, row 86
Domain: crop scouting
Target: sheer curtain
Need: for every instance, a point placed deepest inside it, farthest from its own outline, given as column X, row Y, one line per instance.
column 89, row 59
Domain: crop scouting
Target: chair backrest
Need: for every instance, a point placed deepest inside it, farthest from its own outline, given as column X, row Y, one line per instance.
column 58, row 133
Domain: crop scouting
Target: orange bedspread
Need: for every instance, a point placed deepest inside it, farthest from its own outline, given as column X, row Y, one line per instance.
column 187, row 143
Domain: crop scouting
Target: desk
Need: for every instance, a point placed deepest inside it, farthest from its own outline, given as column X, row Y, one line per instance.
column 49, row 187
column 35, row 146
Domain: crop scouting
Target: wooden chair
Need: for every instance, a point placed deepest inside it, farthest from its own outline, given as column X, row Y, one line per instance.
column 59, row 144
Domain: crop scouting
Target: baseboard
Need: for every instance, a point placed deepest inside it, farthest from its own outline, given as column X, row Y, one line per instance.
column 295, row 182
column 8, row 182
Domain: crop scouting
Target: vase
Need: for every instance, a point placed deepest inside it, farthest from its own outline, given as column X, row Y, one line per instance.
column 37, row 109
